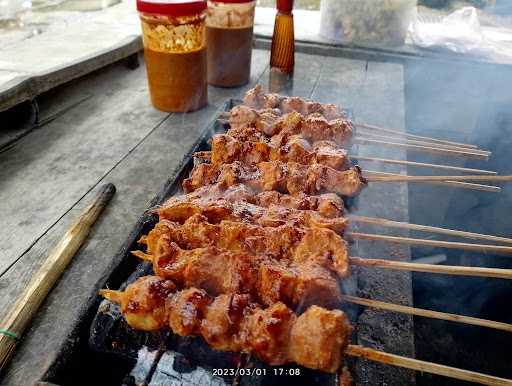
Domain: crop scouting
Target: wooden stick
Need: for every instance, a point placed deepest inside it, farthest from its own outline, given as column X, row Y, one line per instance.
column 427, row 367
column 492, row 249
column 43, row 280
column 403, row 178
column 428, row 313
column 426, row 228
column 423, row 165
column 396, row 137
column 497, row 273
column 466, row 185
column 453, row 184
column 424, row 149
column 367, row 135
column 413, row 136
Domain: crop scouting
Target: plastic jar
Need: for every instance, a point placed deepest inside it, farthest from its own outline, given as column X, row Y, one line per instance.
column 173, row 33
column 229, row 29
column 373, row 22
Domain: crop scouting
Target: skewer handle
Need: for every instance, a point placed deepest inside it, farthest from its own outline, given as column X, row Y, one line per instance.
column 427, row 367
column 486, row 248
column 366, row 135
column 423, row 165
column 428, row 313
column 400, row 133
column 424, row 149
column 455, row 184
column 497, row 273
column 19, row 317
column 402, row 178
column 426, row 228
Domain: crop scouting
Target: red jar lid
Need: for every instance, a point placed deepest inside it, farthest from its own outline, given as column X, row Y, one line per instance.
column 172, row 7
column 285, row 5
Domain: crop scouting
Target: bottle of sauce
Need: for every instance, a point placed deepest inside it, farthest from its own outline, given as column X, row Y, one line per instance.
column 229, row 29
column 173, row 34
column 282, row 53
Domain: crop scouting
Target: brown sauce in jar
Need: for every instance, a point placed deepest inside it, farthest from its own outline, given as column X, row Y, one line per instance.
column 229, row 55
column 177, row 81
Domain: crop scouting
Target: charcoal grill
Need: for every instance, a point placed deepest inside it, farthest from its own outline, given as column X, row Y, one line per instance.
column 104, row 350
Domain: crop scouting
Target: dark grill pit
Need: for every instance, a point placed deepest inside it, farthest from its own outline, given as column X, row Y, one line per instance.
column 104, row 350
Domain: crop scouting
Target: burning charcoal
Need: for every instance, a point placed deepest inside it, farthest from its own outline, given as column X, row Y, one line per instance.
column 143, row 368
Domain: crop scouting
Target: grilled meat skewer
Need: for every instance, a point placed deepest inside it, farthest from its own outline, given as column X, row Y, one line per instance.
column 228, row 149
column 289, row 177
column 321, row 245
column 257, row 99
column 316, row 339
column 327, row 205
column 270, row 123
column 219, row 271
column 273, row 215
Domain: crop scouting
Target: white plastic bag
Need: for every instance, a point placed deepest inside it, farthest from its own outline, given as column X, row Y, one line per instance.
column 459, row 32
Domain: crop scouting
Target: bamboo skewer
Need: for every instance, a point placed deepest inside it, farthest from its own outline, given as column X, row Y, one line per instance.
column 428, row 313
column 426, row 228
column 423, row 165
column 466, row 185
column 396, row 137
column 19, row 317
column 424, row 149
column 486, row 248
column 496, row 273
column 403, row 178
column 406, row 141
column 427, row 367
column 413, row 136
column 453, row 184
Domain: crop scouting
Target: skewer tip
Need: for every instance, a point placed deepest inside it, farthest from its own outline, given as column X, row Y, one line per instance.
column 112, row 295
column 141, row 255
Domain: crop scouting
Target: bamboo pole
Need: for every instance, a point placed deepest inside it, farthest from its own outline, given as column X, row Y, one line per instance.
column 405, row 141
column 426, row 367
column 452, row 184
column 470, row 153
column 403, row 178
column 486, row 248
column 428, row 313
column 19, row 317
column 426, row 228
column 412, row 136
column 496, row 273
column 422, row 165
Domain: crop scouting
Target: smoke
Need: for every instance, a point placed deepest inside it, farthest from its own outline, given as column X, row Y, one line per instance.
column 469, row 102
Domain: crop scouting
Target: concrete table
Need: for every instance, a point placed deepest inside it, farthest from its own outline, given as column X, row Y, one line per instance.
column 103, row 129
